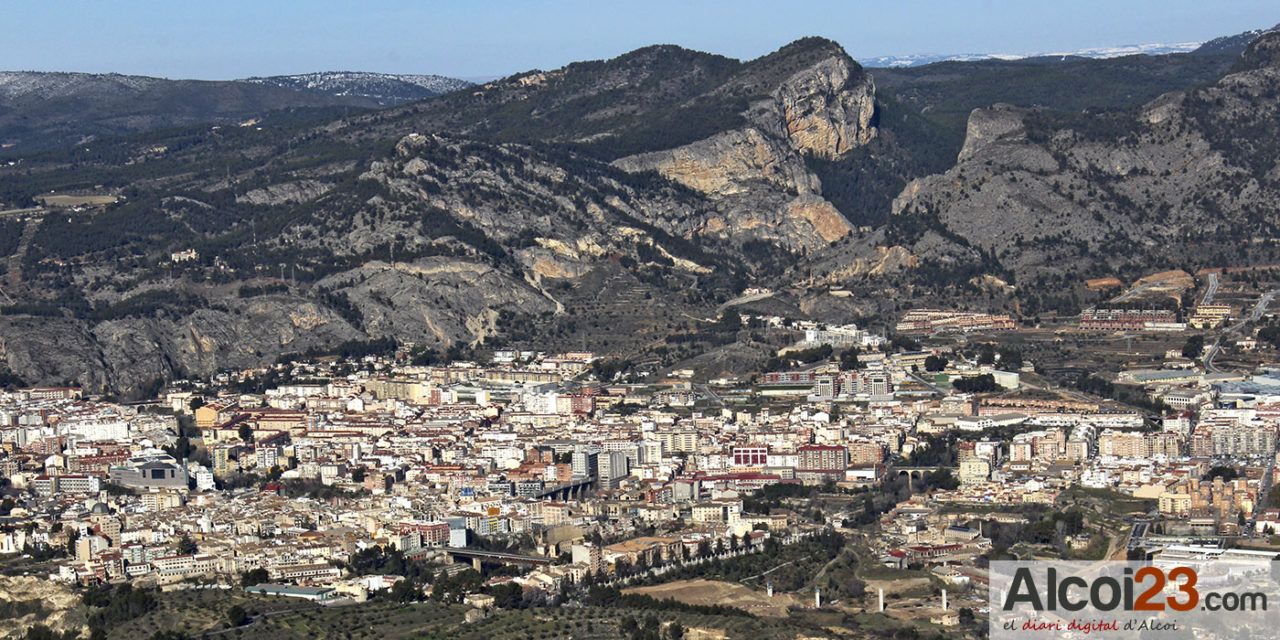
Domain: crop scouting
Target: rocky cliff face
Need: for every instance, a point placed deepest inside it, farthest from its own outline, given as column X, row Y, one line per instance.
column 1052, row 196
column 827, row 109
column 1262, row 53
column 437, row 240
column 59, row 606
column 758, row 187
column 524, row 200
column 131, row 354
column 728, row 164
column 757, row 176
column 988, row 126
column 52, row 350
column 435, row 301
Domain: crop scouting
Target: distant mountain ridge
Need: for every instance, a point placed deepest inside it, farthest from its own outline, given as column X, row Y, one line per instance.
column 386, row 89
column 1232, row 45
column 56, row 84
column 43, row 110
column 1096, row 53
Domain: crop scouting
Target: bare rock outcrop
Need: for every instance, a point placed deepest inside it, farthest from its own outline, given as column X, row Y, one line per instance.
column 987, row 126
column 828, row 108
column 728, row 164
column 1047, row 195
column 825, row 220
column 757, row 176
column 286, row 192
column 52, row 604
column 435, row 301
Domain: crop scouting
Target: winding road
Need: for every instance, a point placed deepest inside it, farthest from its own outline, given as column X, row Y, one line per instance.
column 1255, row 315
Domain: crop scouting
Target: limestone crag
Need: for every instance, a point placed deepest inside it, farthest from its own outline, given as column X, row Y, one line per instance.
column 728, row 164
column 1045, row 195
column 606, row 204
column 987, row 126
column 757, row 176
column 435, row 300
column 824, row 219
column 828, row 108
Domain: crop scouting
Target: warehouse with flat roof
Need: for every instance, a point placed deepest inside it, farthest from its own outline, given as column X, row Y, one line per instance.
column 317, row 594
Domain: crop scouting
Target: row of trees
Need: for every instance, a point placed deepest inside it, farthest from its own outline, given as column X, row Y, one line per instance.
column 794, row 565
column 112, row 605
column 1127, row 394
column 1005, row 358
column 984, row 383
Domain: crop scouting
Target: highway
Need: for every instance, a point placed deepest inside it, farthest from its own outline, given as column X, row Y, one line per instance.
column 18, row 213
column 709, row 393
column 494, row 555
column 1259, row 310
column 1209, row 367
column 1211, row 291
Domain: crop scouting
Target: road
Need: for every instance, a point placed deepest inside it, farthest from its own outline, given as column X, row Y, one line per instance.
column 1210, row 355
column 18, row 213
column 709, row 393
column 1211, row 291
column 1137, row 534
column 1259, row 310
column 1264, row 494
column 744, row 299
column 769, row 571
column 928, row 383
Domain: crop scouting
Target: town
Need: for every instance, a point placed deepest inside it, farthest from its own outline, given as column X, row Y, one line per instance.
column 861, row 475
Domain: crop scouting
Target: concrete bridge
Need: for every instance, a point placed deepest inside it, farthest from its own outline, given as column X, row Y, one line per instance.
column 479, row 556
column 915, row 474
column 570, row 490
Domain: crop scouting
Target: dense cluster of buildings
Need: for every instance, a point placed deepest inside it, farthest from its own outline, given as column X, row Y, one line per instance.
column 201, row 484
column 1210, row 316
column 930, row 321
column 841, row 337
column 1125, row 319
column 529, row 452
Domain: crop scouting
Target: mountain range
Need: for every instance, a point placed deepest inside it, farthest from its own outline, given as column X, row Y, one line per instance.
column 1097, row 53
column 620, row 205
column 42, row 110
column 383, row 88
column 1231, row 45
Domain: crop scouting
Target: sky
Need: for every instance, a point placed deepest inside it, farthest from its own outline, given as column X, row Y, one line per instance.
column 489, row 38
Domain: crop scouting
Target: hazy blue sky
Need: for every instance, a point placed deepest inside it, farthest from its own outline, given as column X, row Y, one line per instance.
column 237, row 38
